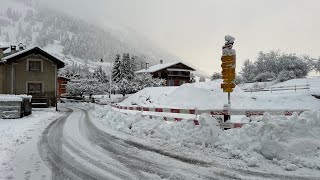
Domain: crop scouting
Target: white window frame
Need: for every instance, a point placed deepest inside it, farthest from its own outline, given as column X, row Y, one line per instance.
column 35, row 82
column 30, row 60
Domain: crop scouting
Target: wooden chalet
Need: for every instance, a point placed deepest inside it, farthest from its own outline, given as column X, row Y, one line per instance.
column 175, row 74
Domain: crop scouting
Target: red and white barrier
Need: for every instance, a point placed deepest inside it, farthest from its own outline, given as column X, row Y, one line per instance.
column 213, row 112
column 216, row 112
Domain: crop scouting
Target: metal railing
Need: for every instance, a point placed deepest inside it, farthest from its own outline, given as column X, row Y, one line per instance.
column 279, row 88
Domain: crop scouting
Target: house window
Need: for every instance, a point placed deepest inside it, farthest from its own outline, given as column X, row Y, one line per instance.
column 63, row 84
column 34, row 65
column 34, row 88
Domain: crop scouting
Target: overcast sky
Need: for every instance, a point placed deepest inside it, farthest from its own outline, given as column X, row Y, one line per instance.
column 194, row 29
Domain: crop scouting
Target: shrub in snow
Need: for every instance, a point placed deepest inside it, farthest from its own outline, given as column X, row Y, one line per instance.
column 202, row 79
column 264, row 77
column 216, row 75
column 286, row 75
column 253, row 162
column 291, row 167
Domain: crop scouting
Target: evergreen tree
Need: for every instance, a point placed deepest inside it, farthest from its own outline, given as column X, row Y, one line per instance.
column 100, row 75
column 116, row 69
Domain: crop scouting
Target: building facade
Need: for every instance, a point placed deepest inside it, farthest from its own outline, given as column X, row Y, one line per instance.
column 62, row 83
column 31, row 71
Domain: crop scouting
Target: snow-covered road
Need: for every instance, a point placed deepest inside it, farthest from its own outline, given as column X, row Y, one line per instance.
column 74, row 148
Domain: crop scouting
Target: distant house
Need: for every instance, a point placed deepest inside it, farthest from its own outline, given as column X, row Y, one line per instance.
column 30, row 71
column 62, row 83
column 175, row 74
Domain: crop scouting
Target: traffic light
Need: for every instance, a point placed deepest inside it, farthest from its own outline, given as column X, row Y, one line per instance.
column 228, row 72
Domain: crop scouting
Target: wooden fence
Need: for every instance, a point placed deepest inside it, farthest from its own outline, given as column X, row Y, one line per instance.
column 280, row 88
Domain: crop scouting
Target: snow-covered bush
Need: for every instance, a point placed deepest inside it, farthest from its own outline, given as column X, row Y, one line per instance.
column 286, row 75
column 86, row 86
column 202, row 79
column 264, row 77
column 216, row 75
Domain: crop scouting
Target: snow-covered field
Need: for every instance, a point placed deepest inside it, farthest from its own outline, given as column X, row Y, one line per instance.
column 269, row 144
column 16, row 133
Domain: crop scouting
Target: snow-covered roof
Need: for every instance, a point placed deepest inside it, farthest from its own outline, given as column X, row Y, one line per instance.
column 34, row 49
column 18, row 53
column 4, row 46
column 157, row 67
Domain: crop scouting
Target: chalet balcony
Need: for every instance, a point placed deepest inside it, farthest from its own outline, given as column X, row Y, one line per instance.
column 178, row 74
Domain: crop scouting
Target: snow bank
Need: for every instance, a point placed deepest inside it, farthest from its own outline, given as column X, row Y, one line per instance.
column 184, row 132
column 202, row 95
column 147, row 96
column 290, row 142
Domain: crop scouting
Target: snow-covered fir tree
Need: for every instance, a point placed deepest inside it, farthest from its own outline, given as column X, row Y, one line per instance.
column 100, row 75
column 116, row 69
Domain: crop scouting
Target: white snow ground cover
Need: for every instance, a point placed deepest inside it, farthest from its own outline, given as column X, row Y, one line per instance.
column 14, row 133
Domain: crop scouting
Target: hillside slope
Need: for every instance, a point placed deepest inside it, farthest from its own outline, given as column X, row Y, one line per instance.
column 71, row 39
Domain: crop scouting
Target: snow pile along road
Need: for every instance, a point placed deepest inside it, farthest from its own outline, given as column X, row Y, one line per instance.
column 290, row 142
column 184, row 132
column 148, row 96
column 270, row 144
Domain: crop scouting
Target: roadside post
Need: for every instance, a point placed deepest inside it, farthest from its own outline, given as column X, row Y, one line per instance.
column 228, row 66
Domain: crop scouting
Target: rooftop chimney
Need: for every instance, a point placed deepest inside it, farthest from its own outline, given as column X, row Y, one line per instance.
column 147, row 65
column 21, row 47
column 161, row 61
column 13, row 48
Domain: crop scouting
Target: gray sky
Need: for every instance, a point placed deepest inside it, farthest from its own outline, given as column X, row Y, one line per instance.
column 194, row 29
